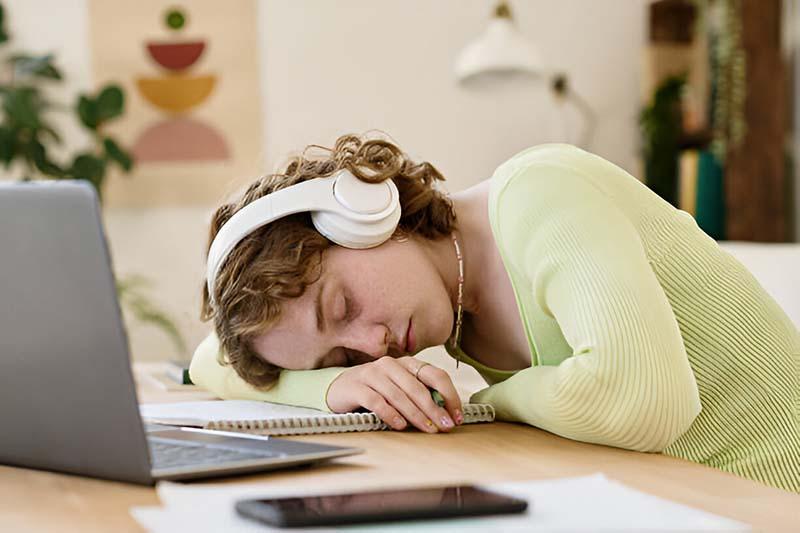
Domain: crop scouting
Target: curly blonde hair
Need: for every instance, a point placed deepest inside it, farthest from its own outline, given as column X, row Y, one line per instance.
column 278, row 261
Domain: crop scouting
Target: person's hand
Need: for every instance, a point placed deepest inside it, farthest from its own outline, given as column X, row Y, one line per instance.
column 397, row 391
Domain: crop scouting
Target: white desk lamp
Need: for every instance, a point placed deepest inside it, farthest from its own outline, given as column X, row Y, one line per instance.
column 502, row 51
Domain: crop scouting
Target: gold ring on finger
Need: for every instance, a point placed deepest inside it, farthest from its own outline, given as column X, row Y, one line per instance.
column 419, row 368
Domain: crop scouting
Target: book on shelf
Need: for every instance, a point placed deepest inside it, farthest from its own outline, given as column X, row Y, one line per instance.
column 700, row 190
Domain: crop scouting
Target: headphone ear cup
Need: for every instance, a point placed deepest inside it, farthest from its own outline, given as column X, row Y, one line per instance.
column 355, row 234
column 365, row 214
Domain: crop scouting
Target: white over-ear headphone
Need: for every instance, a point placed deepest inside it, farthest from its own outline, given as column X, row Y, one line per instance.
column 345, row 209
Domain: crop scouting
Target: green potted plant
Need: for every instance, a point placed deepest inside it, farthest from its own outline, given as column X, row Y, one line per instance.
column 661, row 130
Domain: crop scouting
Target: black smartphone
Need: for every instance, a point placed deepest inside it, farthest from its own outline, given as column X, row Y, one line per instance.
column 380, row 506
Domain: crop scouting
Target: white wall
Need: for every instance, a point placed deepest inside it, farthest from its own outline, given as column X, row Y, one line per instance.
column 359, row 64
column 352, row 65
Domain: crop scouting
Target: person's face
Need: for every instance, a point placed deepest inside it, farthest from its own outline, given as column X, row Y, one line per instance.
column 389, row 300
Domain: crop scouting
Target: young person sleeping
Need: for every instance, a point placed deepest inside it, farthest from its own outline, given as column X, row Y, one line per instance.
column 594, row 310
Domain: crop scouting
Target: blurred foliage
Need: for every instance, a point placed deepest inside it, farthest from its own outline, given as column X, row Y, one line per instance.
column 26, row 133
column 661, row 129
column 132, row 297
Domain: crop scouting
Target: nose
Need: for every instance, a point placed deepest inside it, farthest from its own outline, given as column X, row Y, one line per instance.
column 372, row 340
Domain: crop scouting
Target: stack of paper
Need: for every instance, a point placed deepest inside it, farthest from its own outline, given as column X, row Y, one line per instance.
column 588, row 503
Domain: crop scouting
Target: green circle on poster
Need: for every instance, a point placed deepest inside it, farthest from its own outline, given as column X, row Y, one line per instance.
column 175, row 19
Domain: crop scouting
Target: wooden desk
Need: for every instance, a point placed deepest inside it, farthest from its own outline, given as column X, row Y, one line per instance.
column 42, row 501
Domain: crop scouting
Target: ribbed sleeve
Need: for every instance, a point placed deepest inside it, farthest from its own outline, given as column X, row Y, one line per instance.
column 628, row 382
column 745, row 353
column 304, row 388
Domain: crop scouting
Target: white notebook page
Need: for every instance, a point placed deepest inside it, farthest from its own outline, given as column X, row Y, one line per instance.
column 201, row 413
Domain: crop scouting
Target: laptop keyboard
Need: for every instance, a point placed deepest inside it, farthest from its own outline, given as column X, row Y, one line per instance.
column 173, row 454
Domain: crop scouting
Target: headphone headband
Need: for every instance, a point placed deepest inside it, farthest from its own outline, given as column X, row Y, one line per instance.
column 346, row 210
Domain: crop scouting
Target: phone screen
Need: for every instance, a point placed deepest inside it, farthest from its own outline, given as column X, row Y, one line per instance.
column 439, row 502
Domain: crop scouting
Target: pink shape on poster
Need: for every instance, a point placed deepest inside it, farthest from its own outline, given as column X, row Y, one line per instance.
column 180, row 139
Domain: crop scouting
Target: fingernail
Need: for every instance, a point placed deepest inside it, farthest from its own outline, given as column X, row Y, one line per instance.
column 446, row 422
column 431, row 427
column 399, row 423
column 459, row 417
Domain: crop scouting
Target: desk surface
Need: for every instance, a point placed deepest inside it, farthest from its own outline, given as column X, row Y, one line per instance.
column 42, row 501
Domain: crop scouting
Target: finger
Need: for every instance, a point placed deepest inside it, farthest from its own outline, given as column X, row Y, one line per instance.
column 399, row 399
column 439, row 380
column 421, row 396
column 375, row 402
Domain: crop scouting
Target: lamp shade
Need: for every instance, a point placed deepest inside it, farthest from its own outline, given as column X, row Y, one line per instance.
column 500, row 49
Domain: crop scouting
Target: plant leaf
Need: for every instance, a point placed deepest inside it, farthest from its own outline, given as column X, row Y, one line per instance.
column 87, row 112
column 7, row 144
column 41, row 66
column 132, row 297
column 116, row 153
column 23, row 106
column 3, row 33
column 42, row 162
column 132, row 282
column 90, row 168
column 110, row 103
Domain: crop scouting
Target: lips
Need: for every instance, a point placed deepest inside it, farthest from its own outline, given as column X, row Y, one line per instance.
column 409, row 347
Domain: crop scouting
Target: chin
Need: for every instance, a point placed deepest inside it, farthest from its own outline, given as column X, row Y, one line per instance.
column 436, row 336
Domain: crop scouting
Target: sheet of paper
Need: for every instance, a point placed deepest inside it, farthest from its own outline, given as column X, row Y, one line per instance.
column 587, row 503
column 202, row 412
column 161, row 520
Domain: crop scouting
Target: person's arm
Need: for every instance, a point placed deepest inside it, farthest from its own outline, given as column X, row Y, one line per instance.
column 394, row 389
column 304, row 388
column 628, row 383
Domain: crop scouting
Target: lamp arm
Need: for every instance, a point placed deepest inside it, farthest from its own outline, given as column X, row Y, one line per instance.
column 562, row 89
column 590, row 120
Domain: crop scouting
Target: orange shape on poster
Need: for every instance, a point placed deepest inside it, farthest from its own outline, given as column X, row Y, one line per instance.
column 176, row 93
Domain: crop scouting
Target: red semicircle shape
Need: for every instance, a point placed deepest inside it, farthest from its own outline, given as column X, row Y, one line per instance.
column 176, row 56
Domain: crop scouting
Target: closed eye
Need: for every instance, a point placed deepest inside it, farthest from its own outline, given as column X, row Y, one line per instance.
column 349, row 310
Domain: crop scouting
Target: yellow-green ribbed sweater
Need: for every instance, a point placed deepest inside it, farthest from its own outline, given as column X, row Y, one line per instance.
column 643, row 333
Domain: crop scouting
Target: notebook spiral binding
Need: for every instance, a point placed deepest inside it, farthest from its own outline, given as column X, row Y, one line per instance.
column 336, row 423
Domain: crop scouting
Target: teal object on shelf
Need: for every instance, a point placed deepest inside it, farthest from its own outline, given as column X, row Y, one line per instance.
column 710, row 206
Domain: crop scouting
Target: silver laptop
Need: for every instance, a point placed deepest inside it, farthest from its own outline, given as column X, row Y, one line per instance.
column 67, row 397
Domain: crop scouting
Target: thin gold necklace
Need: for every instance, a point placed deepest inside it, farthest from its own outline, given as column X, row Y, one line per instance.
column 456, row 338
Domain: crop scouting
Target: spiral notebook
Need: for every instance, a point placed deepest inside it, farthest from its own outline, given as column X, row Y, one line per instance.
column 263, row 418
